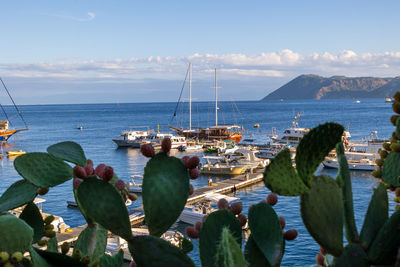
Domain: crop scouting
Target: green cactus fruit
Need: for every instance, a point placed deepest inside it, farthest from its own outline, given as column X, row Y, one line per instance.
column 386, row 146
column 347, row 194
column 314, row 147
column 4, row 256
column 393, row 119
column 165, row 191
column 92, row 241
column 396, row 107
column 229, row 253
column 210, row 234
column 281, row 177
column 77, row 254
column 8, row 264
column 49, row 233
column 49, row 227
column 383, row 154
column 68, row 151
column 42, row 191
column 162, row 253
column 383, row 249
column 85, row 260
column 254, row 255
column 49, row 219
column 15, row 234
column 376, row 216
column 42, row 242
column 102, row 202
column 391, row 169
column 379, row 162
column 186, row 245
column 377, row 173
column 322, row 214
column 42, row 169
column 395, row 147
column 353, row 255
column 16, row 257
column 65, row 248
column 18, row 194
column 32, row 216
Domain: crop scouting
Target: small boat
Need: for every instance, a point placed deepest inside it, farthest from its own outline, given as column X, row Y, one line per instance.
column 15, row 153
column 358, row 165
column 256, row 125
column 155, row 139
column 132, row 138
column 388, row 99
column 73, row 204
column 357, row 102
column 221, row 166
column 134, row 187
column 292, row 135
column 79, row 127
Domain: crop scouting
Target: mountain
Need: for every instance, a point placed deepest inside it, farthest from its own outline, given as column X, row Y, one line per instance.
column 317, row 87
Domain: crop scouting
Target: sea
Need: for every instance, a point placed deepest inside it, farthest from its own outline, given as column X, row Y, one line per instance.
column 50, row 124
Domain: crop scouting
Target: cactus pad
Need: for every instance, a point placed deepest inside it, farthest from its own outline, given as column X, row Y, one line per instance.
column 229, row 253
column 353, row 255
column 68, row 151
column 15, row 234
column 42, row 169
column 59, row 260
column 391, row 169
column 281, row 177
column 18, row 194
column 111, row 261
column 376, row 217
column 94, row 236
column 104, row 204
column 314, row 147
column 151, row 251
column 52, row 245
column 254, row 255
column 37, row 260
column 266, row 231
column 322, row 214
column 32, row 216
column 165, row 191
column 210, row 234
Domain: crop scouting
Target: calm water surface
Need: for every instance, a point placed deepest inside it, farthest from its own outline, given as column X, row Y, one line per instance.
column 50, row 124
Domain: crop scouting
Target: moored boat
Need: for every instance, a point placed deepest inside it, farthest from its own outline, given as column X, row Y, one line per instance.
column 359, row 165
column 132, row 138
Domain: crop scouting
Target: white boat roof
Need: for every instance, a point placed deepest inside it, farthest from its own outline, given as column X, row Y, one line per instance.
column 216, row 197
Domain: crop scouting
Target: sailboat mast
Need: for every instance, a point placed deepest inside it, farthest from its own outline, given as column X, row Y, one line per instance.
column 190, row 96
column 216, row 98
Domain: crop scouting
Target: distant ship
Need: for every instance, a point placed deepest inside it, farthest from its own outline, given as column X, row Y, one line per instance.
column 388, row 99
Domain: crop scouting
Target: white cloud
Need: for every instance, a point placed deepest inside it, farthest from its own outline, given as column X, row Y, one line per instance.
column 90, row 16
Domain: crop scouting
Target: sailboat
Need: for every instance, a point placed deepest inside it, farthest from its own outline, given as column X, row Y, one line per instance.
column 217, row 132
column 5, row 131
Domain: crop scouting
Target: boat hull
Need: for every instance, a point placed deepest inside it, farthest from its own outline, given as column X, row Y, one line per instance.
column 224, row 171
column 127, row 143
column 331, row 164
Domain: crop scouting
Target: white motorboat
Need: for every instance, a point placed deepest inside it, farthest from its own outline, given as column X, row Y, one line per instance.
column 388, row 99
column 134, row 187
column 360, row 165
column 132, row 138
column 155, row 140
column 292, row 135
column 73, row 204
column 248, row 156
column 220, row 165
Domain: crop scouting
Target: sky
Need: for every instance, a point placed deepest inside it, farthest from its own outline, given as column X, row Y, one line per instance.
column 57, row 52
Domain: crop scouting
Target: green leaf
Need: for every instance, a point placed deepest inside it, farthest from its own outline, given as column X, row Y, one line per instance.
column 58, row 259
column 384, row 248
column 68, row 151
column 112, row 261
column 347, row 193
column 210, row 234
column 165, row 191
column 254, row 255
column 15, row 234
column 93, row 237
column 32, row 216
column 229, row 253
column 42, row 169
column 104, row 204
column 322, row 214
column 18, row 194
column 37, row 260
column 266, row 231
column 281, row 177
column 52, row 245
column 377, row 215
column 353, row 255
column 151, row 251
column 391, row 169
column 314, row 147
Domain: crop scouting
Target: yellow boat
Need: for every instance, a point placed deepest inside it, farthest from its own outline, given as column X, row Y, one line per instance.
column 256, row 125
column 15, row 153
column 223, row 169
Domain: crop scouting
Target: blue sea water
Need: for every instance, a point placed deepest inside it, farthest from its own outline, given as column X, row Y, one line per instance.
column 50, row 124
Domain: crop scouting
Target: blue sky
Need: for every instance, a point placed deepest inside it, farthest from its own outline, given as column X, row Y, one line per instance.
column 138, row 51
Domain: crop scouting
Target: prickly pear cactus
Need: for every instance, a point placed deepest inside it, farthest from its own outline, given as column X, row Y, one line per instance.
column 391, row 169
column 353, row 255
column 68, row 151
column 32, row 216
column 18, row 194
column 254, row 256
column 229, row 253
column 92, row 242
column 15, row 234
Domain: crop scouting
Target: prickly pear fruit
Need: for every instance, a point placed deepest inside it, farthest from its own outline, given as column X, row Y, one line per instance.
column 49, row 227
column 320, row 260
column 193, row 162
column 132, row 264
column 132, row 196
column 8, row 264
column 86, row 259
column 282, row 221
column 204, row 218
column 393, row 119
column 397, row 191
column 223, row 204
column 379, row 162
column 42, row 190
column 383, row 153
column 49, row 233
column 100, row 170
column 396, row 107
column 49, row 219
column 147, row 151
column 42, row 242
column 272, row 199
column 377, row 173
column 76, row 183
column 108, row 174
column 77, row 254
column 64, row 248
column 323, row 251
column 120, row 184
column 194, row 173
column 197, row 226
column 191, row 232
column 185, row 160
column 4, row 256
column 237, row 208
column 191, row 191
column 16, row 257
column 89, row 169
column 79, row 172
column 242, row 219
column 89, row 162
column 290, row 234
column 166, row 145
column 395, row 147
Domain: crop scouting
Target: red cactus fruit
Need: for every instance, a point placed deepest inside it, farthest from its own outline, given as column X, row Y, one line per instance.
column 191, row 190
column 76, row 183
column 166, row 145
column 323, row 251
column 320, row 260
column 79, row 172
column 272, row 199
column 108, row 174
column 89, row 162
column 42, row 190
column 204, row 218
column 100, row 170
column 185, row 160
column 237, row 208
column 290, row 234
column 77, row 254
column 132, row 264
column 89, row 169
column 120, row 184
column 194, row 173
column 197, row 226
column 147, row 150
column 282, row 221
column 223, row 204
column 191, row 232
column 86, row 259
column 242, row 219
column 193, row 162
